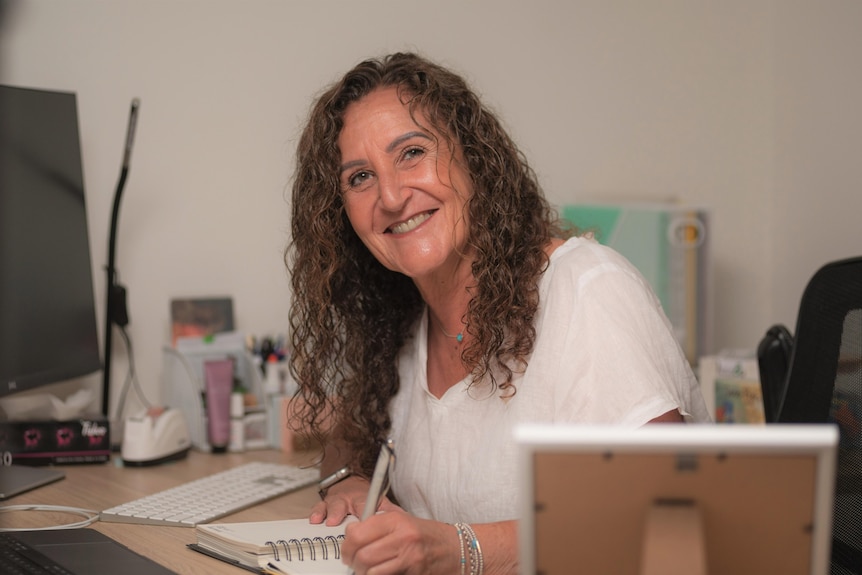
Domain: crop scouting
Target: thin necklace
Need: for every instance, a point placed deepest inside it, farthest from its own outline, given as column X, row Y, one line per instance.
column 459, row 337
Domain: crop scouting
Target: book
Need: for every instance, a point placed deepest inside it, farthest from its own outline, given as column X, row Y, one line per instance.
column 730, row 382
column 288, row 546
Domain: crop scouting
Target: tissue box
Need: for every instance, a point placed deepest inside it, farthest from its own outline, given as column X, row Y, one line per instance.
column 83, row 440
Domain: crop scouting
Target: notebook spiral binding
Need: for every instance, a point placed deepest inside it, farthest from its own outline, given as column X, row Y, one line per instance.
column 300, row 546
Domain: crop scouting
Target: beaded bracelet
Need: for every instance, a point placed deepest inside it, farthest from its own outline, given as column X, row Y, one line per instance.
column 477, row 561
column 461, row 544
column 468, row 537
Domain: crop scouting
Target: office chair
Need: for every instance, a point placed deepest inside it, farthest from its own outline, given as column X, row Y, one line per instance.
column 773, row 362
column 816, row 377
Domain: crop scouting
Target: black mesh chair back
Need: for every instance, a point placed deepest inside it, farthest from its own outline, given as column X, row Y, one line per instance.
column 824, row 384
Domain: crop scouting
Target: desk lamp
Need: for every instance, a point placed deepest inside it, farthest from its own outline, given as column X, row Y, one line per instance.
column 116, row 311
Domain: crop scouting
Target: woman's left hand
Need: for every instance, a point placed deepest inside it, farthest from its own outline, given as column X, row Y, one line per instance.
column 397, row 543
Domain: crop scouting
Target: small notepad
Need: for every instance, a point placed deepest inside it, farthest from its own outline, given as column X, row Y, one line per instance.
column 289, row 546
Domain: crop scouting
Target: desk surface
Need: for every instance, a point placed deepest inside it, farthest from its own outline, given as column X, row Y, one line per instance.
column 102, row 486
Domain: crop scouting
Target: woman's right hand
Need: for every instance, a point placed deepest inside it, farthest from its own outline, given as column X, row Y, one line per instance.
column 347, row 497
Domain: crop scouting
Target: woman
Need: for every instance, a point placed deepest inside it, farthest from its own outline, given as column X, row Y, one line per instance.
column 438, row 303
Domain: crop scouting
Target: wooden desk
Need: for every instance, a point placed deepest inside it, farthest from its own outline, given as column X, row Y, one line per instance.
column 102, row 486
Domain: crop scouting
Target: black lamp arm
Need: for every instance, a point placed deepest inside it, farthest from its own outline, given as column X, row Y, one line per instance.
column 115, row 295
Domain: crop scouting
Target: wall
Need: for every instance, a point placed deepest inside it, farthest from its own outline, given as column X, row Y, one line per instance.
column 817, row 189
column 717, row 104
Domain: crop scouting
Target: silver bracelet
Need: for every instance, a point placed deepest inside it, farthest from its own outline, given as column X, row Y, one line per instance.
column 477, row 561
column 461, row 534
column 468, row 538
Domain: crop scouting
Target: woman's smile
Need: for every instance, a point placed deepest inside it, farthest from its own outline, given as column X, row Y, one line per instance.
column 410, row 224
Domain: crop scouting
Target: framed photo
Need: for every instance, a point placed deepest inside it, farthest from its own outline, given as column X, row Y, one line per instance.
column 200, row 317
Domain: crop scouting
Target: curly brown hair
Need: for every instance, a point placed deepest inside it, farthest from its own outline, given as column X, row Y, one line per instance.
column 350, row 316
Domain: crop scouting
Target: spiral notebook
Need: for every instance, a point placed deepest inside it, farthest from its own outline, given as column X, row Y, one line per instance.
column 289, row 546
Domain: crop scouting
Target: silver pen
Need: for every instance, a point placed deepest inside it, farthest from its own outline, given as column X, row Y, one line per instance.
column 379, row 481
column 379, row 484
column 331, row 480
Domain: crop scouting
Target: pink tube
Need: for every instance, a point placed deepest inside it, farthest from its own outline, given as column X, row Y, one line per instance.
column 219, row 384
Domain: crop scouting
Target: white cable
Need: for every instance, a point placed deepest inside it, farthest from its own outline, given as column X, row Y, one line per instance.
column 198, row 388
column 130, row 381
column 133, row 374
column 193, row 378
column 121, row 405
column 89, row 516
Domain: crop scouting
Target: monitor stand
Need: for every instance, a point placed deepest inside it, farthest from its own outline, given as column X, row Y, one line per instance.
column 674, row 540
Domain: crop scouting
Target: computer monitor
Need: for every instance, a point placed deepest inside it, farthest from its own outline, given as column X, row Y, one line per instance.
column 48, row 328
column 712, row 499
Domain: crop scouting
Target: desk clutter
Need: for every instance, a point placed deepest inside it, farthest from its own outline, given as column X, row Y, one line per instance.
column 92, row 489
column 230, row 388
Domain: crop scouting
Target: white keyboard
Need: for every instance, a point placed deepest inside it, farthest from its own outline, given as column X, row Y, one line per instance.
column 214, row 496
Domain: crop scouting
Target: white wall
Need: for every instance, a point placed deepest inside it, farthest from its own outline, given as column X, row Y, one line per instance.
column 817, row 188
column 748, row 108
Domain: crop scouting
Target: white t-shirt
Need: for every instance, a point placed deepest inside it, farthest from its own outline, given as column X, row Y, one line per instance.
column 604, row 353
